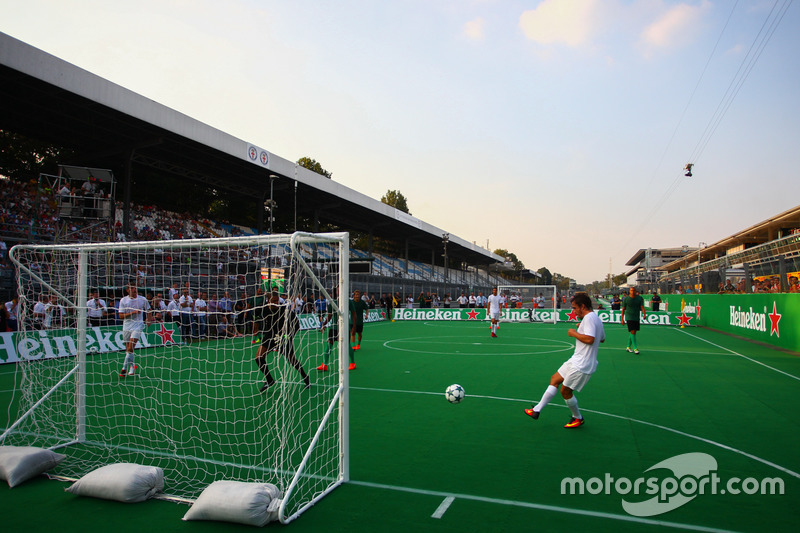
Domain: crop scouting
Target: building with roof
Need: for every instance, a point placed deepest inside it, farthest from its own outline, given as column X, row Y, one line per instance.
column 768, row 248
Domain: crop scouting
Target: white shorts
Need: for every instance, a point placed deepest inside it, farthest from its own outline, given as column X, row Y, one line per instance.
column 494, row 316
column 573, row 378
column 128, row 334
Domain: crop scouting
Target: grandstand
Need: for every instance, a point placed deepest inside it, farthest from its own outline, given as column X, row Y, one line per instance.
column 768, row 250
column 106, row 126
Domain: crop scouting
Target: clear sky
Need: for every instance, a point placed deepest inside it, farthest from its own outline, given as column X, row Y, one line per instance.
column 556, row 129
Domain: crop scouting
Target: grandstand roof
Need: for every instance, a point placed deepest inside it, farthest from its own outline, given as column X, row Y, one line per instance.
column 46, row 98
column 767, row 230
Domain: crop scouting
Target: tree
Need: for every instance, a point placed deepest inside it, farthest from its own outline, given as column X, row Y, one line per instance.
column 396, row 200
column 547, row 277
column 511, row 260
column 23, row 158
column 314, row 166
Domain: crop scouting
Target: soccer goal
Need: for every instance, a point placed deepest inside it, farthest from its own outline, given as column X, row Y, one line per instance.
column 194, row 405
column 529, row 303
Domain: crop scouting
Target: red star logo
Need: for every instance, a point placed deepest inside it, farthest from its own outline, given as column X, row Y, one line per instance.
column 573, row 316
column 473, row 315
column 684, row 320
column 383, row 314
column 697, row 314
column 166, row 335
column 774, row 318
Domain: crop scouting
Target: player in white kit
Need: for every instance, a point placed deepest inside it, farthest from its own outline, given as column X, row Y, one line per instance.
column 573, row 375
column 493, row 306
column 133, row 310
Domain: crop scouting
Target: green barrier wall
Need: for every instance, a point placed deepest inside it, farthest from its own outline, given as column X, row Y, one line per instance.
column 769, row 318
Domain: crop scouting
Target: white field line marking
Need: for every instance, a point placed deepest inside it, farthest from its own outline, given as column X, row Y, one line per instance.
column 542, row 507
column 651, row 424
column 443, row 507
column 740, row 355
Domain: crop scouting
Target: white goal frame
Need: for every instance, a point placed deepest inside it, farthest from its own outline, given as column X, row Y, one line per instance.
column 72, row 293
column 547, row 314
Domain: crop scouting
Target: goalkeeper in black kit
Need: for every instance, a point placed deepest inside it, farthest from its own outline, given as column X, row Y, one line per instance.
column 279, row 325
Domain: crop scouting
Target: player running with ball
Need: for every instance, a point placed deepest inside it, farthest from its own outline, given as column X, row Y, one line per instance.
column 576, row 371
column 133, row 310
column 493, row 307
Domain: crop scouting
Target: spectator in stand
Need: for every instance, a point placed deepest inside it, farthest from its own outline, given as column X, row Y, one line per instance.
column 656, row 300
column 200, row 313
column 729, row 286
column 299, row 304
column 794, row 284
column 225, row 305
column 174, row 308
column 320, row 306
column 159, row 309
column 11, row 314
column 472, row 300
column 52, row 313
column 187, row 310
column 213, row 313
column 462, row 301
column 226, row 329
column 38, row 311
column 421, row 300
column 240, row 313
column 96, row 309
column 173, row 291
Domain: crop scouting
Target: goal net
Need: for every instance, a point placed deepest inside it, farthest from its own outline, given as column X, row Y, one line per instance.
column 193, row 401
column 530, row 303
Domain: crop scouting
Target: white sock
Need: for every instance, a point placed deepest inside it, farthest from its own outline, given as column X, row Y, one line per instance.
column 548, row 395
column 572, row 403
column 128, row 360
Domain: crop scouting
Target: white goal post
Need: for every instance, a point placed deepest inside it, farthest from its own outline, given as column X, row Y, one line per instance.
column 530, row 303
column 199, row 404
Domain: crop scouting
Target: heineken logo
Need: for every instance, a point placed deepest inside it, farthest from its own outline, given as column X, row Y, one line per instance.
column 35, row 345
column 756, row 320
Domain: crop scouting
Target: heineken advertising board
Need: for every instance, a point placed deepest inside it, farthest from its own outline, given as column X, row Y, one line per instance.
column 659, row 318
column 47, row 344
column 763, row 317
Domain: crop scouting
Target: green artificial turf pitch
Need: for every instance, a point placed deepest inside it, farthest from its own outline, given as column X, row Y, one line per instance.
column 420, row 463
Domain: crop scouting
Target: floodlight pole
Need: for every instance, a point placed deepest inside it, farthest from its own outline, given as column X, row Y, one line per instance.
column 271, row 201
column 445, row 240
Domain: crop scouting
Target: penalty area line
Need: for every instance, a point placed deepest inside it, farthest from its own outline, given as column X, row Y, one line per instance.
column 537, row 506
column 443, row 507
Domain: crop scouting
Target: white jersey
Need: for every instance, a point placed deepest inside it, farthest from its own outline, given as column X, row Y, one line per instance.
column 494, row 301
column 188, row 308
column 11, row 309
column 95, row 308
column 134, row 322
column 174, row 308
column 585, row 357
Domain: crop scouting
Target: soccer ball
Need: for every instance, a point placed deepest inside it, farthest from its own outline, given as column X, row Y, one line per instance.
column 454, row 393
